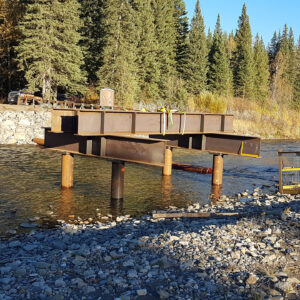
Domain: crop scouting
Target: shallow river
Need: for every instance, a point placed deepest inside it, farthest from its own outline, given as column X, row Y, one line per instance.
column 30, row 183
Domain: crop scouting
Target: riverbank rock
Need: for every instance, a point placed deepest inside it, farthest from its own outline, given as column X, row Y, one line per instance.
column 21, row 127
column 233, row 257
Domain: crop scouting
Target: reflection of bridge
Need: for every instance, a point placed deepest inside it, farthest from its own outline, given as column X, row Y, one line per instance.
column 142, row 137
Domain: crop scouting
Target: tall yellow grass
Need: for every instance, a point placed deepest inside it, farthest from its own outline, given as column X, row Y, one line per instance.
column 268, row 120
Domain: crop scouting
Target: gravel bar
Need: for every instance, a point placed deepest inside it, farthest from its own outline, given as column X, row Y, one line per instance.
column 235, row 257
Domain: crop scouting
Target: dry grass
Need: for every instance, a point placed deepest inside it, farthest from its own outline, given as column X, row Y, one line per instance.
column 208, row 102
column 267, row 120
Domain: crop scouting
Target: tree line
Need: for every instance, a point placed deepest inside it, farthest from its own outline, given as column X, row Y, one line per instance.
column 144, row 50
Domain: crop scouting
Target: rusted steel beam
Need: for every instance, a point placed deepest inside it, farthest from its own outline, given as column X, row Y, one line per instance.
column 102, row 122
column 215, row 143
column 136, row 150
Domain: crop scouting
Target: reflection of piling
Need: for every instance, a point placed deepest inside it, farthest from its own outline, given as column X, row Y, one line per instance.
column 67, row 166
column 117, row 180
column 66, row 203
column 167, row 169
column 166, row 189
column 116, row 207
column 217, row 177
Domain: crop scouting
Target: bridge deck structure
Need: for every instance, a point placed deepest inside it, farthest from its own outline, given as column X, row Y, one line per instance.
column 144, row 138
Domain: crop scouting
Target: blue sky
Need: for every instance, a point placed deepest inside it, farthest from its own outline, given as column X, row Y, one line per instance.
column 266, row 16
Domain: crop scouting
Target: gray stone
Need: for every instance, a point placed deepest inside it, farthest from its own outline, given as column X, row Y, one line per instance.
column 14, row 244
column 42, row 265
column 132, row 274
column 90, row 289
column 163, row 294
column 60, row 283
column 141, row 292
column 128, row 263
column 59, row 245
column 29, row 247
column 78, row 282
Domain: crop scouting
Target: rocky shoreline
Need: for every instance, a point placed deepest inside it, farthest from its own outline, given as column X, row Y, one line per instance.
column 230, row 257
column 20, row 125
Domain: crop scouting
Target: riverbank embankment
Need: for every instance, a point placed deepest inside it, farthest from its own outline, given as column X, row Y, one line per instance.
column 21, row 124
column 230, row 257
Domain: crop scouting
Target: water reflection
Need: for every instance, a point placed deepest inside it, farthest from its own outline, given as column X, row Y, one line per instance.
column 116, row 207
column 166, row 190
column 66, row 204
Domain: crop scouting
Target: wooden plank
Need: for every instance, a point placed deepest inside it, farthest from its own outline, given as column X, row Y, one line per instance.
column 206, row 215
column 192, row 215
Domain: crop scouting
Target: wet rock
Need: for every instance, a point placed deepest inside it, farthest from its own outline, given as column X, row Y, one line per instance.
column 28, row 225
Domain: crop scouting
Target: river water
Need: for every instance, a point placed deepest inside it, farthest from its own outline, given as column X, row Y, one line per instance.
column 30, row 183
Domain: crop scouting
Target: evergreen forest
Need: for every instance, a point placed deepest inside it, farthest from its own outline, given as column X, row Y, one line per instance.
column 147, row 51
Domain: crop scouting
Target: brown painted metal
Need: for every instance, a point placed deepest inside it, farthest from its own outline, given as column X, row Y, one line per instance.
column 167, row 169
column 101, row 122
column 67, row 166
column 214, row 143
column 64, row 120
column 217, row 176
column 117, row 180
column 136, row 150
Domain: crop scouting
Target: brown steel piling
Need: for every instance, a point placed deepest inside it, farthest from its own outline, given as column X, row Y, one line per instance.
column 217, row 176
column 67, row 166
column 167, row 169
column 117, row 180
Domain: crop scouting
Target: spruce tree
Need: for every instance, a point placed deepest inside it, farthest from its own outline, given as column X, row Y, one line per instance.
column 147, row 48
column 197, row 75
column 49, row 52
column 92, row 33
column 296, row 87
column 219, row 79
column 243, row 58
column 261, row 70
column 11, row 12
column 119, row 67
column 182, row 27
column 209, row 39
column 282, row 55
column 166, row 34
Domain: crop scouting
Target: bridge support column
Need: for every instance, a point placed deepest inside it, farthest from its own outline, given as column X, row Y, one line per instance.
column 217, row 176
column 67, row 167
column 167, row 169
column 117, row 180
